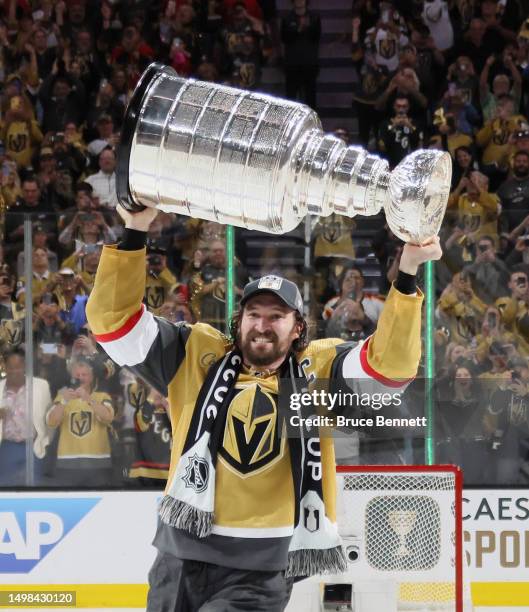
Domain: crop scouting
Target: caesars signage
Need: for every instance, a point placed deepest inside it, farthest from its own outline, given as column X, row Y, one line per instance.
column 496, row 534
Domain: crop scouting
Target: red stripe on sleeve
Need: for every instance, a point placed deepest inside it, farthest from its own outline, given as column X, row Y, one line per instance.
column 123, row 330
column 388, row 382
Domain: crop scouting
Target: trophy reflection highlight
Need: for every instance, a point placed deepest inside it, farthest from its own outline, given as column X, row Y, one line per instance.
column 402, row 522
column 251, row 160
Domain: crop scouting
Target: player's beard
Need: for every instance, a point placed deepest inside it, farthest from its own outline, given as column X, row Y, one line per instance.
column 268, row 353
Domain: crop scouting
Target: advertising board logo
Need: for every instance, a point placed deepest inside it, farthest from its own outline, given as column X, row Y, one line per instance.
column 30, row 527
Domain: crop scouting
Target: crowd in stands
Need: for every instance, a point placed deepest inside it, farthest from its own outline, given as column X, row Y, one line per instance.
column 450, row 75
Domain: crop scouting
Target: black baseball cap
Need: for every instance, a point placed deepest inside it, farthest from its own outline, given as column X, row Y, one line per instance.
column 286, row 290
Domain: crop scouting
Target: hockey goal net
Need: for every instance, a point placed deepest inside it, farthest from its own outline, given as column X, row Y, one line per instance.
column 402, row 532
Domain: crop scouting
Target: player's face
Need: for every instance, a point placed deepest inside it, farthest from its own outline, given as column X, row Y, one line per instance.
column 268, row 328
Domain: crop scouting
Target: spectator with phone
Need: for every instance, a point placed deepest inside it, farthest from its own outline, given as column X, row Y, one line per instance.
column 404, row 83
column 208, row 286
column 449, row 136
column 83, row 416
column 461, row 436
column 72, row 295
column 238, row 22
column 14, row 430
column 69, row 157
column 460, row 309
column 463, row 76
column 520, row 253
column 464, row 163
column 495, row 136
column 42, row 276
column 466, row 118
column 85, row 345
column 488, row 273
column 514, row 308
column 493, row 330
column 48, row 326
column 351, row 283
column 74, row 136
column 430, row 60
column 84, row 263
column 496, row 370
column 160, row 280
column 514, row 196
column 508, row 422
column 478, row 210
column 51, row 364
column 176, row 308
column 69, row 219
column 88, row 229
column 349, row 321
column 399, row 136
column 501, row 86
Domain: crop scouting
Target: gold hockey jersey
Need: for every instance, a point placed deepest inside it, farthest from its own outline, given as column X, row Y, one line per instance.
column 254, row 497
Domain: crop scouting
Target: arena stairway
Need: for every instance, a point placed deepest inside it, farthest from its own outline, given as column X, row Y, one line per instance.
column 337, row 75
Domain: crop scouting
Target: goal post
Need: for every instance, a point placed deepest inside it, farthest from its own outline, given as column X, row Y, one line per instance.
column 402, row 530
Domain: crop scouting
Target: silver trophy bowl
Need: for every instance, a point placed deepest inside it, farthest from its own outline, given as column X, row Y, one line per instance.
column 251, row 160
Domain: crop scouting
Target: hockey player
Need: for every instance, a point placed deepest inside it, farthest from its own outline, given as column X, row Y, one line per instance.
column 245, row 508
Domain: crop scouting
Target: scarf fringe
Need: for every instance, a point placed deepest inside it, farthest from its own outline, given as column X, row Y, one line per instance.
column 179, row 514
column 309, row 562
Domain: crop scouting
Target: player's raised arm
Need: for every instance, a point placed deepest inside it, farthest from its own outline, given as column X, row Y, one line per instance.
column 391, row 355
column 126, row 330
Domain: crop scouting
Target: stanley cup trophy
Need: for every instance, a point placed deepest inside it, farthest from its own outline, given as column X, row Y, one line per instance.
column 263, row 163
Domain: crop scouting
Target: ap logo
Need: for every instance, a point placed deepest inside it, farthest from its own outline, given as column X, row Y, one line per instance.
column 32, row 526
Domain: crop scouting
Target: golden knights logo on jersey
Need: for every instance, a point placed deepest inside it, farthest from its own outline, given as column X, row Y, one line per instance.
column 137, row 395
column 18, row 142
column 155, row 296
column 251, row 438
column 81, row 423
column 387, row 47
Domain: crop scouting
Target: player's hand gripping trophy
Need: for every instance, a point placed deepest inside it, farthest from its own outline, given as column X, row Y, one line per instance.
column 251, row 160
